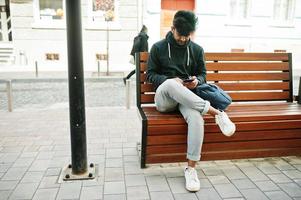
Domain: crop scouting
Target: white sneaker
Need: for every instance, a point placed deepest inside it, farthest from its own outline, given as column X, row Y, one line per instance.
column 192, row 180
column 227, row 127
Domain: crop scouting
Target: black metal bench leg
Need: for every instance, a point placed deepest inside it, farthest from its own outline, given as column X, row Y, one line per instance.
column 143, row 143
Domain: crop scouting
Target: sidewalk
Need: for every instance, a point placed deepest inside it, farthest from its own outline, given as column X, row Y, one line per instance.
column 35, row 145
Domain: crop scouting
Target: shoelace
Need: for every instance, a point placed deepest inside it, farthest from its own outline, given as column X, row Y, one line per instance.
column 192, row 175
column 223, row 119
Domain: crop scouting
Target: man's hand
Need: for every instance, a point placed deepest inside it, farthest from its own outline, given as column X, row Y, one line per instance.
column 193, row 84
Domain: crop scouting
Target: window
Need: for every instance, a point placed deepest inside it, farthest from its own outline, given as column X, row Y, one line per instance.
column 239, row 9
column 49, row 13
column 283, row 10
column 102, row 12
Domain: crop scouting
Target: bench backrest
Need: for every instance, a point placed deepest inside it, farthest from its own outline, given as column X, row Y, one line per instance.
column 245, row 76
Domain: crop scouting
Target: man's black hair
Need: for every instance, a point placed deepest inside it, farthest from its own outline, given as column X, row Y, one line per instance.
column 185, row 22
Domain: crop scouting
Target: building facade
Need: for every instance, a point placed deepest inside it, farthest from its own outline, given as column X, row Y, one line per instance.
column 39, row 31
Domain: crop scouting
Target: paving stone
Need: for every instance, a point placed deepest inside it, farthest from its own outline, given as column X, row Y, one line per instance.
column 53, row 172
column 227, row 191
column 23, row 162
column 132, row 168
column 293, row 174
column 279, row 178
column 218, row 179
column 283, row 165
column 14, row 174
column 205, row 183
column 46, row 194
column 28, row 154
column 114, row 197
column 189, row 196
column 32, row 177
column 131, row 158
column 137, row 193
column 4, row 194
column 208, row 194
column 173, row 172
column 4, row 167
column 243, row 183
column 253, row 194
column 69, row 191
column 292, row 189
column 48, row 155
column 232, row 172
column 266, row 186
column 277, row 195
column 9, row 158
column 254, row 174
column 130, row 151
column 135, row 180
column 39, row 165
column 212, row 171
column 24, row 191
column 268, row 168
column 49, row 182
column 114, row 174
column 157, row 183
column 114, row 162
column 92, row 192
column 117, row 187
column 8, row 185
column 298, row 181
column 177, row 185
column 161, row 196
column 114, row 153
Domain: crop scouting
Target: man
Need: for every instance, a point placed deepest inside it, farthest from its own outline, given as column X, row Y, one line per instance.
column 176, row 66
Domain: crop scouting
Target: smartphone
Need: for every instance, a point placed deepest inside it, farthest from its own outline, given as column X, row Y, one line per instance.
column 187, row 80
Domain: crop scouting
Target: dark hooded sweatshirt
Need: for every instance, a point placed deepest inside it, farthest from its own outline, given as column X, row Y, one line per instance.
column 168, row 60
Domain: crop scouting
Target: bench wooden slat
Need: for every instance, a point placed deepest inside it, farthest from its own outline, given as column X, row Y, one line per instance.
column 247, row 96
column 236, row 86
column 181, row 139
column 221, row 155
column 247, row 76
column 246, row 56
column 240, row 76
column 283, row 66
column 219, row 141
column 238, row 96
column 245, row 66
column 155, row 120
column 227, row 146
column 240, row 126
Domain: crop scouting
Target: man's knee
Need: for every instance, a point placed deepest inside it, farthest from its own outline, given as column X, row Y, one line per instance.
column 171, row 83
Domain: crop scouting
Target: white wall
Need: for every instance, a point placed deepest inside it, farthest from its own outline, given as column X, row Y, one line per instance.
column 35, row 42
column 217, row 33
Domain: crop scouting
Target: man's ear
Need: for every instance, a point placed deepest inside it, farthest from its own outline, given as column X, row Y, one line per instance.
column 172, row 28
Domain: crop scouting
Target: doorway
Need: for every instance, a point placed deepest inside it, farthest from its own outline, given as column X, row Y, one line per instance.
column 168, row 9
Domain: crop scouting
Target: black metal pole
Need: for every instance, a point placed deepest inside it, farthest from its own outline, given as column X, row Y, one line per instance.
column 76, row 87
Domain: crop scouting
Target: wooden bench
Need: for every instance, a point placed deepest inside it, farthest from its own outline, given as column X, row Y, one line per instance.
column 268, row 121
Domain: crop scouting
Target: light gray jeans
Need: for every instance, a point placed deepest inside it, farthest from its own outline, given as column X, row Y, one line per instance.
column 172, row 94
